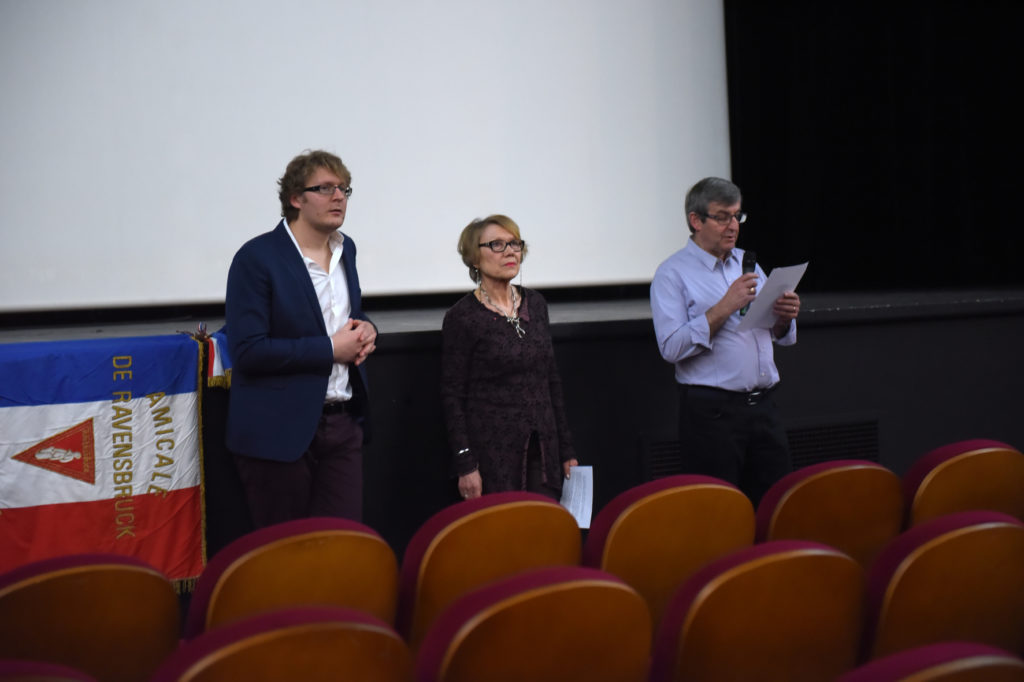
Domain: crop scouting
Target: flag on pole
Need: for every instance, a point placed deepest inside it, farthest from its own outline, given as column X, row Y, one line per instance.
column 218, row 364
column 100, row 451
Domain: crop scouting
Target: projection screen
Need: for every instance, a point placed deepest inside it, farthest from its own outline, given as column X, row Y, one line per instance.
column 142, row 139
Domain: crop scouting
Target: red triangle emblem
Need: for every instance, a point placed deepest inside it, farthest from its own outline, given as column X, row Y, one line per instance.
column 69, row 453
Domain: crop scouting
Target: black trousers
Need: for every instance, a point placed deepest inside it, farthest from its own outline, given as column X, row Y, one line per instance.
column 733, row 436
column 327, row 480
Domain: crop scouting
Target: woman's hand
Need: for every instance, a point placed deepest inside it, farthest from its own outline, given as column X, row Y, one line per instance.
column 471, row 485
column 569, row 464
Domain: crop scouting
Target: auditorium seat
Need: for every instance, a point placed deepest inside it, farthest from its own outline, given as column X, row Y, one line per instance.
column 781, row 610
column 853, row 505
column 36, row 671
column 942, row 662
column 968, row 474
column 474, row 542
column 316, row 561
column 957, row 577
column 546, row 625
column 657, row 534
column 110, row 616
column 310, row 643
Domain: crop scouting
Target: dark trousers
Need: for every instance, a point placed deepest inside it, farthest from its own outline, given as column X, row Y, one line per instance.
column 327, row 480
column 734, row 437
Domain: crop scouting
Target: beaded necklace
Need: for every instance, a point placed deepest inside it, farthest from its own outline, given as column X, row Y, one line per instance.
column 511, row 317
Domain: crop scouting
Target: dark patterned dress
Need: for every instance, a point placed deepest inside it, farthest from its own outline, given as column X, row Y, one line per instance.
column 497, row 389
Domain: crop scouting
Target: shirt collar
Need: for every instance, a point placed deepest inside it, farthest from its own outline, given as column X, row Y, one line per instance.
column 708, row 260
column 336, row 239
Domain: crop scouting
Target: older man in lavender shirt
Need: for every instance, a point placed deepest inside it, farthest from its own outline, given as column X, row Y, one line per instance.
column 728, row 423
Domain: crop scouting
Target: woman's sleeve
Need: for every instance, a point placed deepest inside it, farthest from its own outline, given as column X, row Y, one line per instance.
column 456, row 355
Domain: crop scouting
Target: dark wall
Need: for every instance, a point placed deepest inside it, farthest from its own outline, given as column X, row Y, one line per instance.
column 879, row 141
column 947, row 373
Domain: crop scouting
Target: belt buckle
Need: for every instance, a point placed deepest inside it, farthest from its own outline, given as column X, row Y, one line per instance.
column 754, row 397
column 335, row 407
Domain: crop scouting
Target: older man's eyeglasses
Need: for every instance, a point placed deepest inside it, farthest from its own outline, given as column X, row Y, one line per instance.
column 329, row 190
column 726, row 218
column 499, row 245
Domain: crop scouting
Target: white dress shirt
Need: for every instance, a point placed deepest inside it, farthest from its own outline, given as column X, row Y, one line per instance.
column 335, row 304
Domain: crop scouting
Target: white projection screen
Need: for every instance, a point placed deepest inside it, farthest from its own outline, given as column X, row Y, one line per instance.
column 142, row 139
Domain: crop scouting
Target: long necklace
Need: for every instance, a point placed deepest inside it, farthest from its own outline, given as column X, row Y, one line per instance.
column 511, row 317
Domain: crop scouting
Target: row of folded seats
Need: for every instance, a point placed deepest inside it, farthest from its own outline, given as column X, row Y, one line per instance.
column 844, row 571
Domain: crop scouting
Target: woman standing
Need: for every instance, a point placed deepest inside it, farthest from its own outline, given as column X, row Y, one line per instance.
column 500, row 389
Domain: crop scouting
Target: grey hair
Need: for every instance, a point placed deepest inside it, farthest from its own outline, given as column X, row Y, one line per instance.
column 708, row 190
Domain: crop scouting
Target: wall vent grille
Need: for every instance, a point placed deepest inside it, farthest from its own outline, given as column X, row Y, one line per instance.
column 808, row 445
column 662, row 459
column 824, row 443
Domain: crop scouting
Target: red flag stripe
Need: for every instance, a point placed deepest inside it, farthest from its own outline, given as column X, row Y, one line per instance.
column 164, row 531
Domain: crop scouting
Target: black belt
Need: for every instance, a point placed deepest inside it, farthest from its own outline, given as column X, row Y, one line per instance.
column 748, row 397
column 339, row 407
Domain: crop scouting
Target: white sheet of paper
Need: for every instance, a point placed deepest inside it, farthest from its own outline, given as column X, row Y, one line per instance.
column 760, row 315
column 578, row 494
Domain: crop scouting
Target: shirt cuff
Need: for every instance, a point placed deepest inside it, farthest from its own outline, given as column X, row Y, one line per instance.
column 700, row 332
column 789, row 338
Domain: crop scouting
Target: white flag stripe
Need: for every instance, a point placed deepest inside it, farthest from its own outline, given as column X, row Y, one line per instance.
column 158, row 434
column 217, row 355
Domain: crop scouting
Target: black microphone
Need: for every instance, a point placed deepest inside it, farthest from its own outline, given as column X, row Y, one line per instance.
column 749, row 265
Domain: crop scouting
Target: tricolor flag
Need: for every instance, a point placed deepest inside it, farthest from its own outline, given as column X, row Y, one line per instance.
column 218, row 364
column 100, row 451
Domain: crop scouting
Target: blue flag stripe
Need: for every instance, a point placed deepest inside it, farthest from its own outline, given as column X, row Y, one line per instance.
column 97, row 369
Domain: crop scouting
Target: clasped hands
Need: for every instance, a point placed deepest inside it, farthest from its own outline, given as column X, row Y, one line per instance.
column 354, row 341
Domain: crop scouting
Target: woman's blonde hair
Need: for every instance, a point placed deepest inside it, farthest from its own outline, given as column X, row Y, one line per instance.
column 469, row 240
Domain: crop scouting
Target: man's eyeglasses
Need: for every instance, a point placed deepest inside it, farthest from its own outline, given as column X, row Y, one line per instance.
column 499, row 245
column 726, row 218
column 329, row 190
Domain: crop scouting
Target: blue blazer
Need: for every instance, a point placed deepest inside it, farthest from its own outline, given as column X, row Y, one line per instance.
column 279, row 348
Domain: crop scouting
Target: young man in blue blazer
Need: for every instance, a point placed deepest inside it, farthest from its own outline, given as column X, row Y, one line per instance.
column 298, row 338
